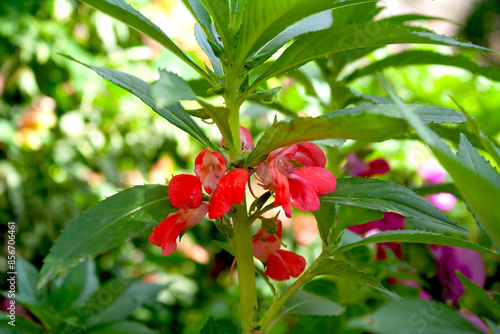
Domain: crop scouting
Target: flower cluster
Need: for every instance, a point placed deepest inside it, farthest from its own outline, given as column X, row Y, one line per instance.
column 185, row 194
column 280, row 264
column 295, row 174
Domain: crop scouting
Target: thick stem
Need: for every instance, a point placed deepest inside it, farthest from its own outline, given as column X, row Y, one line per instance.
column 242, row 241
column 270, row 316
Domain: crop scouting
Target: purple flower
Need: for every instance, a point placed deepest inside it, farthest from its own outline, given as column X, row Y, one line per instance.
column 468, row 262
column 358, row 167
column 442, row 201
column 475, row 320
column 431, row 172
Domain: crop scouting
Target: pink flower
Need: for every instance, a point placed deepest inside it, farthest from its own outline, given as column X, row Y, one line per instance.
column 442, row 201
column 296, row 175
column 450, row 259
column 280, row 264
column 475, row 320
column 245, row 138
column 358, row 167
column 210, row 167
column 431, row 172
column 391, row 221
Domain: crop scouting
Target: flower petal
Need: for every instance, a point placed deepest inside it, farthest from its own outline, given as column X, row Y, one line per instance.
column 282, row 195
column 265, row 244
column 233, row 185
column 322, row 180
column 218, row 205
column 165, row 234
column 210, row 167
column 184, row 191
column 310, row 155
column 283, row 264
column 306, row 183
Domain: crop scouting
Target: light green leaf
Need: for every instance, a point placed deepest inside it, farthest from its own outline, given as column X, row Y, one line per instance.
column 367, row 123
column 426, row 57
column 202, row 40
column 123, row 12
column 264, row 20
column 364, row 36
column 201, row 15
column 142, row 90
column 474, row 177
column 26, row 279
column 412, row 236
column 106, row 225
column 386, row 197
column 219, row 10
column 170, row 89
column 212, row 327
column 305, row 303
column 414, row 317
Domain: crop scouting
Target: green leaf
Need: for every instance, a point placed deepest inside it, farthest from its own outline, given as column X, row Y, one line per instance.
column 212, row 327
column 342, row 269
column 352, row 215
column 75, row 288
column 413, row 236
column 353, row 37
column 478, row 294
column 225, row 246
column 312, row 23
column 170, row 89
column 202, row 40
column 425, row 57
column 142, row 90
column 366, row 123
column 121, row 327
column 305, row 303
column 263, row 20
column 219, row 10
column 325, row 218
column 22, row 325
column 474, row 177
column 201, row 15
column 106, row 225
column 485, row 141
column 385, row 196
column 414, row 317
column 123, row 12
column 26, row 279
column 492, row 326
column 123, row 304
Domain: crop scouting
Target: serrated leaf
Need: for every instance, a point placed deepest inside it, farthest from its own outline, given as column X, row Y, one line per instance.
column 225, row 246
column 351, row 215
column 263, row 20
column 305, row 303
column 22, row 325
column 142, row 90
column 170, row 89
column 367, row 123
column 212, row 327
column 385, row 196
column 312, row 23
column 201, row 15
column 413, row 236
column 325, row 218
column 474, row 177
column 106, row 225
column 472, row 290
column 123, row 12
column 414, row 317
column 364, row 36
column 219, row 10
column 426, row 57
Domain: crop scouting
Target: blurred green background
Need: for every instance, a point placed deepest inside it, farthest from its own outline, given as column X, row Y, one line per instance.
column 68, row 139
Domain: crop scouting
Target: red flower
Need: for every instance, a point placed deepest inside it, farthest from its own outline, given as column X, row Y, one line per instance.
column 165, row 234
column 296, row 175
column 230, row 190
column 184, row 192
column 210, row 167
column 280, row 264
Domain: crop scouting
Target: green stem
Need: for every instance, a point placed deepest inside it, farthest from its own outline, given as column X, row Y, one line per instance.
column 242, row 241
column 270, row 316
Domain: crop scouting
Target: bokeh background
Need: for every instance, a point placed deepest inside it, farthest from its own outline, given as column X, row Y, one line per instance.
column 68, row 139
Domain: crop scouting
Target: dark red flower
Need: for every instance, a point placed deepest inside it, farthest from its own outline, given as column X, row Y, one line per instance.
column 280, row 264
column 296, row 175
column 358, row 167
column 230, row 190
